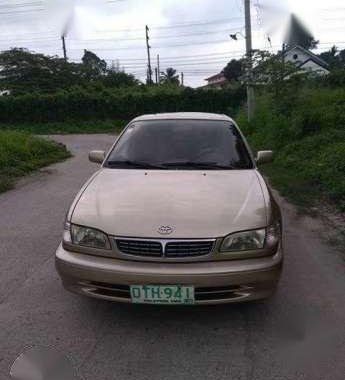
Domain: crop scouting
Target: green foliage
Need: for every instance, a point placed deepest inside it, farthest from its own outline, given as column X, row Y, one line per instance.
column 80, row 104
column 70, row 126
column 94, row 63
column 170, row 76
column 308, row 136
column 21, row 153
column 24, row 72
column 116, row 79
column 335, row 78
column 334, row 57
column 275, row 74
column 235, row 69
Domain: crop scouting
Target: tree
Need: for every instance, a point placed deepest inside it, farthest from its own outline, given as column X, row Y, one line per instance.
column 273, row 72
column 25, row 72
column 342, row 56
column 92, row 61
column 170, row 76
column 119, row 79
column 234, row 70
column 299, row 35
column 334, row 57
column 331, row 56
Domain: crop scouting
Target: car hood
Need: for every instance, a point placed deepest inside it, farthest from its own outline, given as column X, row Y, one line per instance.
column 196, row 204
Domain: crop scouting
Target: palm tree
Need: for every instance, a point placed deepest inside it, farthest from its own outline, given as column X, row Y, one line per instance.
column 170, row 76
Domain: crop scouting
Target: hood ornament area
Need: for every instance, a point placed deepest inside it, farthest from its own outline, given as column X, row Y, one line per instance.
column 165, row 230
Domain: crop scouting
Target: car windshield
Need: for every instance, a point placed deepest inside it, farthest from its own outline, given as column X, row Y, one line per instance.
column 180, row 144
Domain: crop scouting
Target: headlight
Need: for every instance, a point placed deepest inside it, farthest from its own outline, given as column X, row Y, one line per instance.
column 87, row 237
column 244, row 241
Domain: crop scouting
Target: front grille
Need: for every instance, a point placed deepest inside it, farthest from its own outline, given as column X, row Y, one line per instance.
column 165, row 248
column 188, row 248
column 140, row 247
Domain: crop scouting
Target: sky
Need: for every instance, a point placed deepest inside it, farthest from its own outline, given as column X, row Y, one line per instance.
column 191, row 36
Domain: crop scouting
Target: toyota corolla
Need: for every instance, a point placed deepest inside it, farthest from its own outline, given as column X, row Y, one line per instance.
column 178, row 213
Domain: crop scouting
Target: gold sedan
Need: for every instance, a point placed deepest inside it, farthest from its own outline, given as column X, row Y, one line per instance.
column 178, row 213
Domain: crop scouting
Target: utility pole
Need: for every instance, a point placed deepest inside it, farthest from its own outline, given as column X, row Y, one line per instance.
column 158, row 69
column 283, row 60
column 156, row 73
column 182, row 79
column 249, row 51
column 149, row 69
column 64, row 47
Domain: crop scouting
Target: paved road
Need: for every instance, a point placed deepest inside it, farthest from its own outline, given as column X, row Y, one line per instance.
column 299, row 334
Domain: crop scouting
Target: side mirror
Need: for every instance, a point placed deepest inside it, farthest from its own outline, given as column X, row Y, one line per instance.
column 264, row 157
column 97, row 156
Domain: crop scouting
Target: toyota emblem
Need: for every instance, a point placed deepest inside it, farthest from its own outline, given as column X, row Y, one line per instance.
column 165, row 230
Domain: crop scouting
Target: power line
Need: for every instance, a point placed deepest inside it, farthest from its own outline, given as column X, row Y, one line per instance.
column 158, row 37
column 158, row 47
column 188, row 63
column 121, row 39
column 32, row 39
column 22, row 12
column 202, row 23
column 195, row 63
column 325, row 46
column 189, row 56
column 19, row 5
column 209, row 56
column 174, row 26
column 32, row 33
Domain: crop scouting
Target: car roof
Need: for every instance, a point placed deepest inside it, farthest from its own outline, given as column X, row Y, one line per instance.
column 184, row 116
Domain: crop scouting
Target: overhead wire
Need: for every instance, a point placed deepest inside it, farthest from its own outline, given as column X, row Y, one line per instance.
column 138, row 65
column 196, row 34
column 21, row 12
column 174, row 26
column 156, row 47
column 22, row 5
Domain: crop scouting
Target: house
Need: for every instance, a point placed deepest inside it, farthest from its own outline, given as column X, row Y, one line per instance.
column 217, row 81
column 306, row 60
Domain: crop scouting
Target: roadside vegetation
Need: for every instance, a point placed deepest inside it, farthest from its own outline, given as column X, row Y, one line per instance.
column 303, row 121
column 299, row 115
column 66, row 127
column 22, row 153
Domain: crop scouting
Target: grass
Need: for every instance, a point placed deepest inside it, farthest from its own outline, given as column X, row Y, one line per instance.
column 69, row 127
column 310, row 172
column 307, row 135
column 21, row 153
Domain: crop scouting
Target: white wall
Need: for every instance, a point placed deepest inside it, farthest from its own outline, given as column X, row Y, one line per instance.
column 297, row 56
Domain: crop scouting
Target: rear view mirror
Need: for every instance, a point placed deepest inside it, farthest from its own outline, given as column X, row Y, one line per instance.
column 97, row 156
column 264, row 157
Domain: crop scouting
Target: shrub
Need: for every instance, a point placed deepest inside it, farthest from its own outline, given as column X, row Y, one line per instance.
column 309, row 139
column 123, row 104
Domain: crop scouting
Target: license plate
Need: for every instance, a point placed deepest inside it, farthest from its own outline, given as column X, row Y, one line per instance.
column 162, row 294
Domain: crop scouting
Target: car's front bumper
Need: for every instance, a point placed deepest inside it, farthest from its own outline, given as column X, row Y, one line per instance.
column 214, row 282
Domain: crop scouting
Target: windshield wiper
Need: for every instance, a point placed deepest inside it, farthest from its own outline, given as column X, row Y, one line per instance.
column 198, row 165
column 136, row 164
